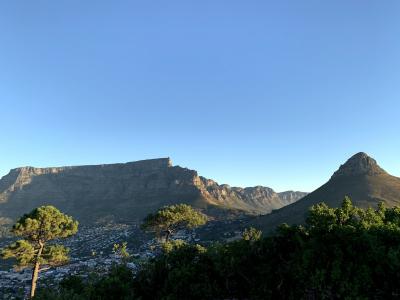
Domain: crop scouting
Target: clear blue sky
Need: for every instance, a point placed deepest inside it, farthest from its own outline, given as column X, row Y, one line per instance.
column 275, row 93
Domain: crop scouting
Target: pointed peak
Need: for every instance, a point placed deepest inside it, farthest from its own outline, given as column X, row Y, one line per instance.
column 359, row 164
column 360, row 156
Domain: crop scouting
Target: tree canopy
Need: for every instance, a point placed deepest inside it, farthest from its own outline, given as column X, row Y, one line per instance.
column 171, row 218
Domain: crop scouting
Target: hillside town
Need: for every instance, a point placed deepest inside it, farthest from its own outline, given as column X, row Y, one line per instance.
column 91, row 252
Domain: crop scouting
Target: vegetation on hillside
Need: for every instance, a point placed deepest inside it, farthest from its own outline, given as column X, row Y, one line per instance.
column 340, row 253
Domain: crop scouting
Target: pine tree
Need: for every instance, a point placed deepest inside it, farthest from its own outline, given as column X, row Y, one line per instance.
column 172, row 218
column 37, row 228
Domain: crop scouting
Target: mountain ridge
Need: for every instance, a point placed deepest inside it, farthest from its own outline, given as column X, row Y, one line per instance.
column 127, row 190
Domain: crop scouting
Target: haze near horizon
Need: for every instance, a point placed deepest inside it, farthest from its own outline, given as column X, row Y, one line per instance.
column 275, row 93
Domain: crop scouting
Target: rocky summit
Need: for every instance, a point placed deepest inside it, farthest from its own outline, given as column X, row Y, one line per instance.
column 127, row 191
column 359, row 164
column 360, row 178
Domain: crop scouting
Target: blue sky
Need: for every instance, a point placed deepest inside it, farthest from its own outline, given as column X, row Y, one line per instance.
column 275, row 93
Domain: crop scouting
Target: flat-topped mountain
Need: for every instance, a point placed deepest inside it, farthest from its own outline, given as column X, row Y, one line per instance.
column 360, row 178
column 127, row 191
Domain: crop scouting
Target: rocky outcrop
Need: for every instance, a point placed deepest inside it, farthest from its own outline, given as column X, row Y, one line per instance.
column 359, row 164
column 127, row 191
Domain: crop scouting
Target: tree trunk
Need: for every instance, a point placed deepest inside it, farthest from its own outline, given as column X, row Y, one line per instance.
column 167, row 234
column 35, row 271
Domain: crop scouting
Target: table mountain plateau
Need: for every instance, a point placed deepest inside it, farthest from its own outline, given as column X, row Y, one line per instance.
column 360, row 178
column 127, row 191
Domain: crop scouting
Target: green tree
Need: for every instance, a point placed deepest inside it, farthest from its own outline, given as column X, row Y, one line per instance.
column 251, row 234
column 172, row 218
column 121, row 251
column 37, row 228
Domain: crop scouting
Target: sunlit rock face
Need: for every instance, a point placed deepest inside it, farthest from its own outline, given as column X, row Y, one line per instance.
column 127, row 191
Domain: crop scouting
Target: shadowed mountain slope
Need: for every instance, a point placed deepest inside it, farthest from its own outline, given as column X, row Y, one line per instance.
column 127, row 191
column 360, row 178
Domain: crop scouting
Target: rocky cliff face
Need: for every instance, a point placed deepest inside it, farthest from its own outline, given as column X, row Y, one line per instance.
column 127, row 191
